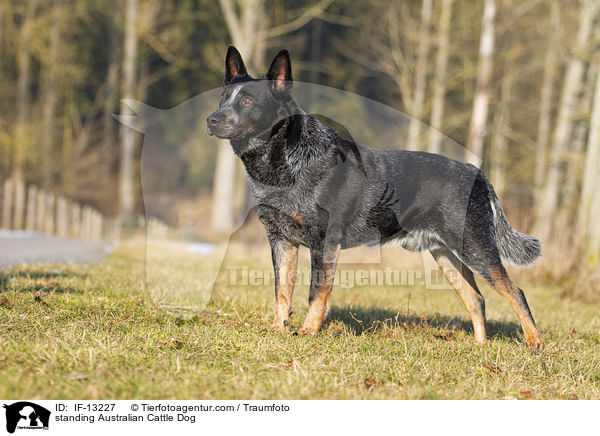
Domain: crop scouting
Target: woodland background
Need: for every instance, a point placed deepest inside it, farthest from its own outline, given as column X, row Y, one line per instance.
column 516, row 82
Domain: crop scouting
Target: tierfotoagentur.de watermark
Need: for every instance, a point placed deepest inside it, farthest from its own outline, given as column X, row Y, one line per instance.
column 346, row 278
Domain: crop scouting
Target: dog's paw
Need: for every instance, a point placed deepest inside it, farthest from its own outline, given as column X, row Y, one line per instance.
column 304, row 331
column 535, row 343
column 278, row 328
column 537, row 347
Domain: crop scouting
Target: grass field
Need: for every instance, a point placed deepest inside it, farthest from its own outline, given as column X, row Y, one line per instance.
column 91, row 332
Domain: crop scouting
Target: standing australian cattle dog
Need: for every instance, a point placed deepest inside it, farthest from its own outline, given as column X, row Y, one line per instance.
column 316, row 189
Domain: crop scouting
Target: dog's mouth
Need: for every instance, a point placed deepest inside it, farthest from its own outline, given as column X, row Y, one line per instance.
column 210, row 131
column 229, row 131
column 219, row 132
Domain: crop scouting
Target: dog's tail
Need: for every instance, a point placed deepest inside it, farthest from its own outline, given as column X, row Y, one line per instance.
column 515, row 248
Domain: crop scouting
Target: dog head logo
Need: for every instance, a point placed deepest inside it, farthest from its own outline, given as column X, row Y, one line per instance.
column 26, row 415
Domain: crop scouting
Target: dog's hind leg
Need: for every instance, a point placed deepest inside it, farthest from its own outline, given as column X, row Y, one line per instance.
column 323, row 263
column 482, row 256
column 484, row 226
column 462, row 280
column 285, row 262
column 501, row 282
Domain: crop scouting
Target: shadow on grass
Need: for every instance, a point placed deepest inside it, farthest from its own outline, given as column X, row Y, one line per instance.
column 367, row 320
column 41, row 281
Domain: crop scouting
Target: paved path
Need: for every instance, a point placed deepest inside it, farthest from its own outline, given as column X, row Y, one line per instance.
column 17, row 248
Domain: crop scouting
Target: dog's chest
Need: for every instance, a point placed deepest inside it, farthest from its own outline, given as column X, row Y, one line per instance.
column 291, row 213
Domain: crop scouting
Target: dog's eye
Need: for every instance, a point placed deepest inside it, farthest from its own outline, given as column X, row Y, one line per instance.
column 246, row 101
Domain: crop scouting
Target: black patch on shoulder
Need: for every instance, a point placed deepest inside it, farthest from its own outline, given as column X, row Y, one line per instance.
column 345, row 143
column 383, row 218
column 345, row 147
column 293, row 132
column 341, row 130
column 277, row 127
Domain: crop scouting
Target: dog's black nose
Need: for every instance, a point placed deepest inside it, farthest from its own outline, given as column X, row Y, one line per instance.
column 213, row 120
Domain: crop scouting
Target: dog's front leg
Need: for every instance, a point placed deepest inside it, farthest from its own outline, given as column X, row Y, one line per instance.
column 285, row 261
column 323, row 262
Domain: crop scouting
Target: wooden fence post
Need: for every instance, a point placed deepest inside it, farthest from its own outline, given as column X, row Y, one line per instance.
column 7, row 195
column 75, row 220
column 99, row 225
column 30, row 212
column 49, row 219
column 40, row 211
column 89, row 217
column 93, row 223
column 85, row 223
column 112, row 230
column 61, row 217
column 19, row 205
column 36, row 210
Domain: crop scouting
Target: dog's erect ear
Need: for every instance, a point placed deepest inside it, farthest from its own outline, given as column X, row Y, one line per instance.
column 280, row 73
column 234, row 65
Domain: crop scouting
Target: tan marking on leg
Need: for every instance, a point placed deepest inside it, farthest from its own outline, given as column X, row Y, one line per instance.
column 317, row 310
column 464, row 284
column 516, row 298
column 286, row 275
column 319, row 306
column 298, row 219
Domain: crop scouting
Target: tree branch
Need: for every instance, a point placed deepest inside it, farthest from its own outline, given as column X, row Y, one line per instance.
column 311, row 12
column 233, row 23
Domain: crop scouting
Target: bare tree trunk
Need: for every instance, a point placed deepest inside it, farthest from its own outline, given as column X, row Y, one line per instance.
column 588, row 230
column 23, row 102
column 481, row 100
column 546, row 208
column 439, row 87
column 2, row 14
column 67, row 174
column 544, row 125
column 576, row 155
column 414, row 126
column 47, row 139
column 223, row 188
column 112, row 83
column 498, row 155
column 247, row 26
column 126, row 196
column 315, row 57
column 242, row 29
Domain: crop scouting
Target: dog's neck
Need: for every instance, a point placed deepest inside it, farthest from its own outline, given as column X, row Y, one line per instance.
column 294, row 144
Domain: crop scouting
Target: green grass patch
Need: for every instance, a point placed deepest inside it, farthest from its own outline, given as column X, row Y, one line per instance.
column 93, row 332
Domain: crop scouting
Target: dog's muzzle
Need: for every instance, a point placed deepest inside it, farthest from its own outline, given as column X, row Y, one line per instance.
column 212, row 123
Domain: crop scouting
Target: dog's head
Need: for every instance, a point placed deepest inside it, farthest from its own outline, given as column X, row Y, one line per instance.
column 251, row 107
